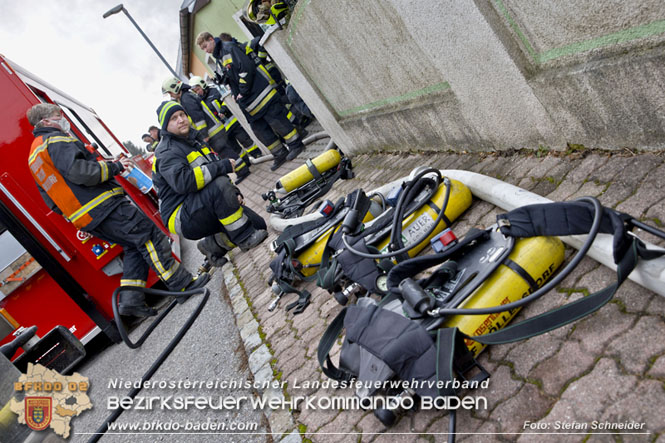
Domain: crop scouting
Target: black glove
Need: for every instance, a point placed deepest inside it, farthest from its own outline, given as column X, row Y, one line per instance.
column 221, row 79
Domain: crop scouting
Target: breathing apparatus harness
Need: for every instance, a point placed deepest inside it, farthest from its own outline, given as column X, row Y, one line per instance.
column 349, row 253
column 406, row 341
column 294, row 203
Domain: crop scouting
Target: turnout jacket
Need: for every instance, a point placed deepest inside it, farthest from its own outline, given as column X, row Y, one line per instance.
column 250, row 83
column 211, row 104
column 182, row 166
column 71, row 180
column 191, row 102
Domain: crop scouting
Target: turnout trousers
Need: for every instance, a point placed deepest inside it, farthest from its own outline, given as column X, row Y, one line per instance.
column 145, row 246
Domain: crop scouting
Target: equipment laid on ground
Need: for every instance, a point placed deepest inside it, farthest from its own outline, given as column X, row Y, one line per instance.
column 430, row 330
column 302, row 186
column 319, row 249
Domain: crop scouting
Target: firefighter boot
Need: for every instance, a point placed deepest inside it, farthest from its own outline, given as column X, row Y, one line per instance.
column 280, row 159
column 132, row 302
column 294, row 152
column 197, row 282
column 213, row 251
column 253, row 240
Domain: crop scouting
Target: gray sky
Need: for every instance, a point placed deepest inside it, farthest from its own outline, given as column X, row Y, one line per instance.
column 104, row 63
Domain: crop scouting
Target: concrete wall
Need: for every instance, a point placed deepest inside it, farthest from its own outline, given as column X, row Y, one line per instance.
column 480, row 75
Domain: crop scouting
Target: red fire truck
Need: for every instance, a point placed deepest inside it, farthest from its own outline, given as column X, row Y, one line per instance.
column 50, row 274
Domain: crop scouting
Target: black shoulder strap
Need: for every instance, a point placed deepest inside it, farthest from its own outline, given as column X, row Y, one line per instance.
column 326, row 343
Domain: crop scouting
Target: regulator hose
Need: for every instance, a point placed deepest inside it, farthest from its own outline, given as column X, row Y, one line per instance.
column 397, row 219
column 551, row 284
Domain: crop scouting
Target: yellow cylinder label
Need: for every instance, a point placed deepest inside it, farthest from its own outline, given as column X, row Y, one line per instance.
column 539, row 257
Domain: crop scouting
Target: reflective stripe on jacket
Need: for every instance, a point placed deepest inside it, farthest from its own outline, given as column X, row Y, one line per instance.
column 183, row 165
column 71, row 179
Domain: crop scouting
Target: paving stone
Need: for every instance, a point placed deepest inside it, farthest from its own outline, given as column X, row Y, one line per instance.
column 531, row 352
column 584, row 399
column 635, row 346
column 486, row 432
column 249, row 329
column 239, row 305
column 252, row 342
column 614, row 166
column 588, row 189
column 264, row 374
column 570, row 362
column 528, row 404
column 293, row 437
column 643, row 404
column 657, row 305
column 658, row 368
column 634, row 297
column 259, row 358
column 501, row 387
column 587, row 167
column 563, row 191
column 280, row 422
column 550, row 166
column 595, row 331
column 244, row 318
column 337, row 428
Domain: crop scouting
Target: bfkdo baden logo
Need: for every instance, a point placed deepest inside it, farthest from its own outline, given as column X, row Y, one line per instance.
column 43, row 398
column 38, row 412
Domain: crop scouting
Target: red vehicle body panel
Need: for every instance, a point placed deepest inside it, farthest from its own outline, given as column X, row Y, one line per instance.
column 40, row 300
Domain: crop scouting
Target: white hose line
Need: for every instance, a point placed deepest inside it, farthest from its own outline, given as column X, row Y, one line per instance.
column 650, row 274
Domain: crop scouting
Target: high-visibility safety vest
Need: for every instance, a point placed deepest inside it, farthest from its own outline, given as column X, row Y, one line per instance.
column 75, row 206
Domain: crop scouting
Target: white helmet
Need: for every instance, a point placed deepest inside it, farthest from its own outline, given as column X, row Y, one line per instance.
column 171, row 84
column 197, row 81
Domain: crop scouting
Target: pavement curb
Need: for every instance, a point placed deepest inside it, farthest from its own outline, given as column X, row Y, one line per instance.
column 260, row 358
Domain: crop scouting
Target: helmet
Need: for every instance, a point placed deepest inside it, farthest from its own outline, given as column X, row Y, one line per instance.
column 171, row 84
column 197, row 81
column 268, row 12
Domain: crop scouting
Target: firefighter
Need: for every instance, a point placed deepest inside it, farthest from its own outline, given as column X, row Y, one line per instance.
column 254, row 90
column 154, row 133
column 74, row 182
column 210, row 103
column 260, row 56
column 196, row 197
column 191, row 102
column 150, row 142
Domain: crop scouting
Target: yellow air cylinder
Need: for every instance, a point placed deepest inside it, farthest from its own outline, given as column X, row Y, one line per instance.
column 312, row 255
column 302, row 175
column 416, row 224
column 538, row 256
column 413, row 226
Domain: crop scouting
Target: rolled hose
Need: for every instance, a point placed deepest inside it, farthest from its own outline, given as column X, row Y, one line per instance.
column 648, row 273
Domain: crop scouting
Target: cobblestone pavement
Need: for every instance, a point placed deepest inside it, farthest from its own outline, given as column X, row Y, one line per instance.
column 608, row 367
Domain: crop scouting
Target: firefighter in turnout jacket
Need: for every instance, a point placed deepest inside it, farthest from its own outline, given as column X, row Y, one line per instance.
column 254, row 90
column 196, row 197
column 210, row 103
column 74, row 182
column 198, row 118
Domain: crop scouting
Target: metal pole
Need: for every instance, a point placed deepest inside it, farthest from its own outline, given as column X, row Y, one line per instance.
column 161, row 57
